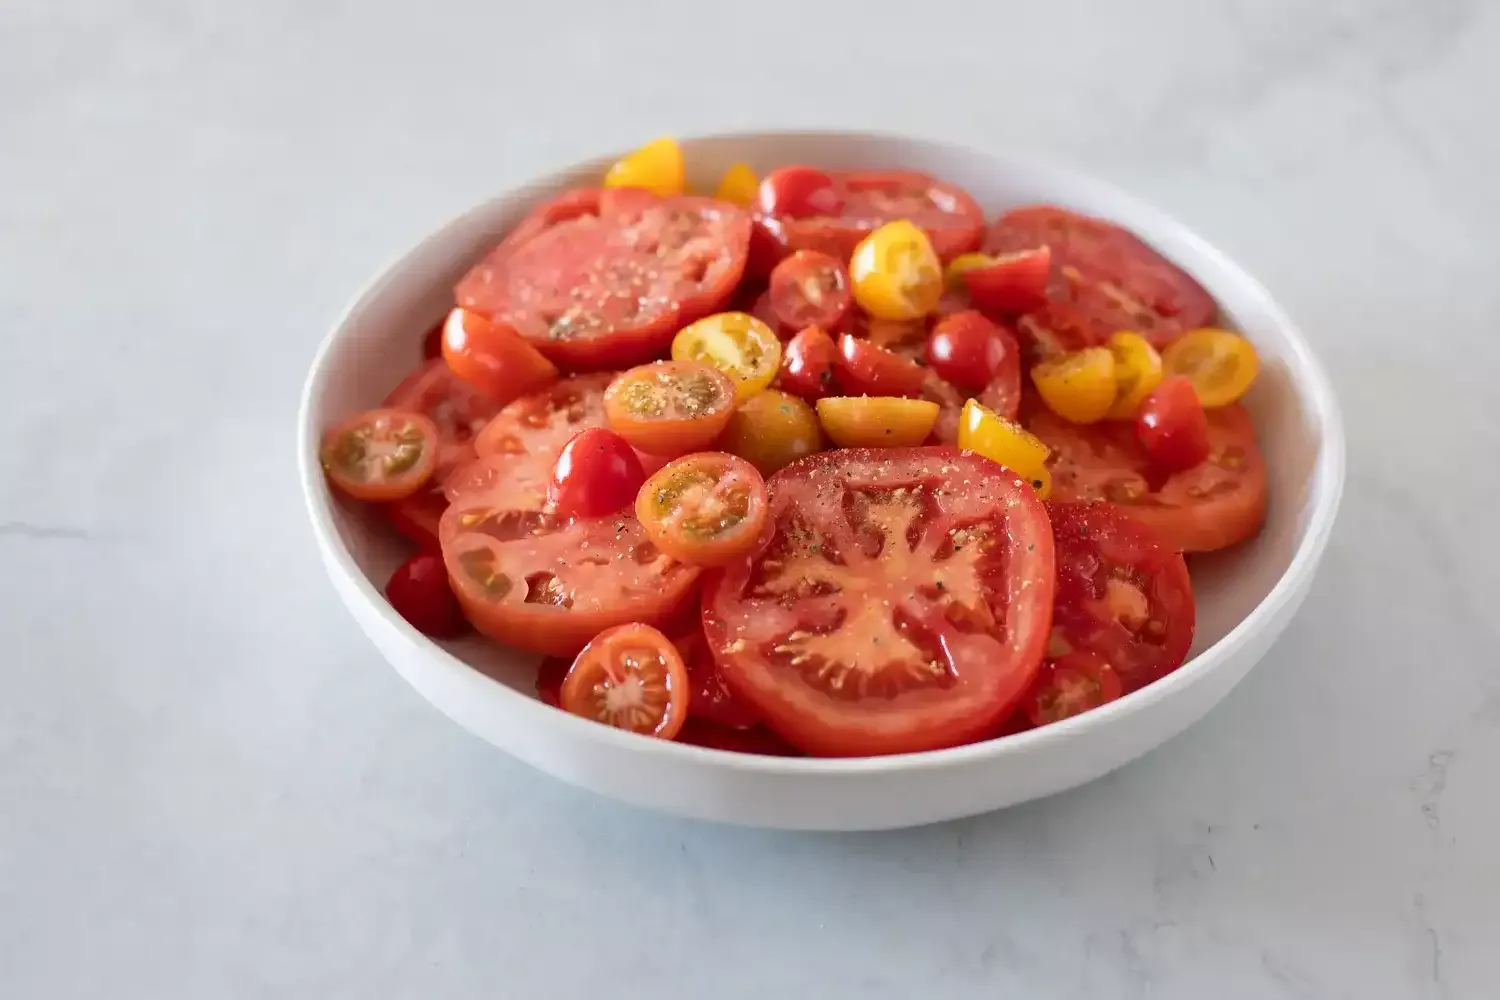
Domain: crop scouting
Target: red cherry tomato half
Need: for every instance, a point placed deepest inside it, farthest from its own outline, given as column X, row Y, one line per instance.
column 810, row 289
column 711, row 700
column 596, row 474
column 967, row 349
column 1172, row 427
column 381, row 454
column 807, row 364
column 432, row 342
column 1071, row 685
column 798, row 192
column 632, row 678
column 419, row 592
column 493, row 358
column 705, row 509
column 1012, row 283
column 866, row 370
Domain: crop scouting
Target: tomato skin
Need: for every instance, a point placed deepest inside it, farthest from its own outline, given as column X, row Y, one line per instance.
column 596, row 474
column 492, row 357
column 705, row 509
column 655, row 693
column 1071, row 685
column 459, row 410
column 1137, row 372
column 1172, row 427
column 987, row 433
column 1010, row 284
column 771, row 430
column 807, row 364
column 1079, row 386
column 810, row 288
column 419, row 592
column 380, row 454
column 656, row 167
column 866, row 370
column 745, row 349
column 877, row 421
column 967, row 349
column 799, row 192
column 669, row 408
column 712, row 700
column 1221, row 366
column 417, row 516
column 432, row 341
column 896, row 273
column 755, row 740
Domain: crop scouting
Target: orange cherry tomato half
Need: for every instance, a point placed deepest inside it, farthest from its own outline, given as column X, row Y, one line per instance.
column 877, row 421
column 864, row 369
column 630, row 677
column 381, row 454
column 810, row 288
column 738, row 186
column 493, row 358
column 669, row 407
column 705, row 509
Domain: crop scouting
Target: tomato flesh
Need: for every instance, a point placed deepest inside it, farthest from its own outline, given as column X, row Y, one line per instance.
column 863, row 369
column 705, row 509
column 419, row 592
column 492, row 357
column 810, row 289
column 900, row 601
column 1071, row 685
column 629, row 677
column 381, row 454
column 670, row 407
column 459, row 410
column 1172, row 427
column 597, row 473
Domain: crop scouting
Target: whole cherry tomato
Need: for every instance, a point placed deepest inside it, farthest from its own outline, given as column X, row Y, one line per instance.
column 596, row 474
column 1172, row 427
column 967, row 349
column 800, row 193
column 419, row 592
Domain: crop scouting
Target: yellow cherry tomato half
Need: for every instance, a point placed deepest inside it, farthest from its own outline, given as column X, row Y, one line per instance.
column 1080, row 386
column 656, row 166
column 1137, row 373
column 1220, row 365
column 988, row 434
column 953, row 275
column 772, row 429
column 895, row 272
column 736, row 343
column 877, row 421
column 738, row 186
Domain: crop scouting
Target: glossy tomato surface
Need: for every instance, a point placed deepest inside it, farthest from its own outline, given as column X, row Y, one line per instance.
column 596, row 473
column 459, row 410
column 900, row 600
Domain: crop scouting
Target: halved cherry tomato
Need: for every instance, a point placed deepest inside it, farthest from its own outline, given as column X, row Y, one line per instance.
column 737, row 344
column 807, row 364
column 866, row 370
column 967, row 349
column 417, row 516
column 954, row 271
column 876, row 421
column 419, row 592
column 1210, row 506
column 629, row 677
column 798, row 192
column 738, row 186
column 1221, row 365
column 1123, row 594
column 669, row 407
column 896, row 273
column 771, row 430
column 1080, row 386
column 901, row 602
column 705, row 509
column 984, row 432
column 657, row 167
column 1011, row 283
column 1137, row 372
column 493, row 358
column 1071, row 685
column 596, row 474
column 712, row 700
column 459, row 410
column 432, row 341
column 810, row 289
column 1173, row 427
column 381, row 454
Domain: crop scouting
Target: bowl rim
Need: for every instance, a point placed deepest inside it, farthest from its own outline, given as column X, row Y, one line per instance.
column 1328, row 473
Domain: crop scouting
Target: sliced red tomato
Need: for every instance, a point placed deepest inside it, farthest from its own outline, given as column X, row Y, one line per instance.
column 712, row 700
column 807, row 364
column 865, row 201
column 417, row 516
column 705, row 509
column 534, row 580
column 1070, row 685
column 458, row 409
column 540, row 424
column 569, row 205
column 609, row 290
column 492, row 358
column 669, row 407
column 1104, row 280
column 419, row 592
column 864, row 369
column 810, row 289
column 596, row 474
column 629, row 677
column 900, row 600
column 1123, row 593
column 381, row 454
column 1210, row 506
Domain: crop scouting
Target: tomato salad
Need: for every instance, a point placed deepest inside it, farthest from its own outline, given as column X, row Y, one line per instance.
column 824, row 463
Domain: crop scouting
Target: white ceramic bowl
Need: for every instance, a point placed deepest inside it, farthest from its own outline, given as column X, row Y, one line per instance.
column 1245, row 598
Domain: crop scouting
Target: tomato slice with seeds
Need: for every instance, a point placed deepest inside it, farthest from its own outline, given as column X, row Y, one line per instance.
column 459, row 410
column 541, row 423
column 610, row 289
column 900, row 600
column 864, row 369
column 669, row 407
column 1123, row 593
column 629, row 677
column 1210, row 506
column 810, row 289
column 1071, row 685
column 705, row 509
column 381, row 454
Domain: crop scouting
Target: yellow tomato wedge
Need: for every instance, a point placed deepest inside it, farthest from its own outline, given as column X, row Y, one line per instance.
column 876, row 421
column 1080, row 386
column 895, row 272
column 656, row 166
column 738, row 186
column 737, row 344
column 1137, row 373
column 1220, row 365
column 954, row 274
column 986, row 433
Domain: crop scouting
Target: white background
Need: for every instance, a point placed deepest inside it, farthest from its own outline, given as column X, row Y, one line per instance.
column 209, row 785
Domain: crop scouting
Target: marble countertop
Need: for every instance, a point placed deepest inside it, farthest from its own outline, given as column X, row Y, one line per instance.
column 210, row 786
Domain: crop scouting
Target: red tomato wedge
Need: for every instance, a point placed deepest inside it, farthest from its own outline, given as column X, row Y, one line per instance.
column 492, row 358
column 810, row 289
column 1123, row 594
column 1070, row 685
column 610, row 290
column 629, row 677
column 1210, row 506
column 458, row 409
column 380, row 454
column 705, row 509
column 1104, row 280
column 900, row 600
